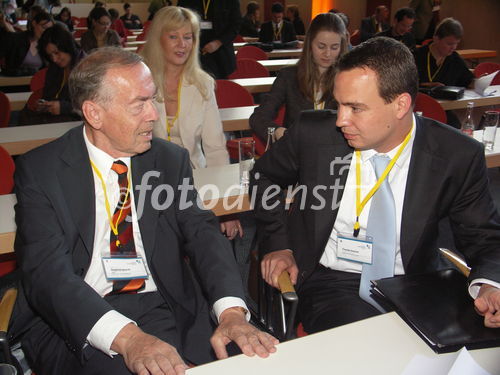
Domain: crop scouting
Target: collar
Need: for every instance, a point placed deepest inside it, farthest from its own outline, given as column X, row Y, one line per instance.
column 101, row 159
column 367, row 154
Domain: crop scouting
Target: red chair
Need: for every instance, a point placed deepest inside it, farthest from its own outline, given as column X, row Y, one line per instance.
column 251, row 52
column 32, row 102
column 430, row 107
column 141, row 36
column 145, row 26
column 7, row 168
column 239, row 39
column 38, row 80
column 427, row 41
column 78, row 33
column 5, row 109
column 485, row 68
column 139, row 48
column 248, row 68
column 82, row 22
column 355, row 38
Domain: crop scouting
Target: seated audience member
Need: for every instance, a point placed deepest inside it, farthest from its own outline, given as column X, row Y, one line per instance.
column 155, row 6
column 59, row 48
column 426, row 18
column 131, row 21
column 307, row 85
column 171, row 52
column 99, row 35
column 439, row 64
column 401, row 27
column 292, row 15
column 250, row 25
column 97, row 4
column 374, row 125
column 117, row 25
column 278, row 29
column 19, row 49
column 375, row 23
column 157, row 319
column 6, row 24
column 64, row 16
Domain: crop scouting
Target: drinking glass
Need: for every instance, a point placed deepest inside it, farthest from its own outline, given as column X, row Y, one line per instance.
column 246, row 149
column 490, row 129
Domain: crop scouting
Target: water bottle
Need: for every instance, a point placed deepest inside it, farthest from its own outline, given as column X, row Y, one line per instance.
column 468, row 125
column 270, row 137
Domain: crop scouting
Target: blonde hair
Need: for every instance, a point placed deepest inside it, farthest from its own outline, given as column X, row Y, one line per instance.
column 168, row 19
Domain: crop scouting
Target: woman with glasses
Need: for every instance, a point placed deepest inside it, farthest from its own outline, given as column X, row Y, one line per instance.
column 19, row 49
column 99, row 34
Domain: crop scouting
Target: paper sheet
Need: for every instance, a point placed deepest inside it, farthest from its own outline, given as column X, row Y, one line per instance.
column 482, row 83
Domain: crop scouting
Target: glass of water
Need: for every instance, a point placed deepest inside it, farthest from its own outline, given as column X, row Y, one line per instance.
column 490, row 129
column 246, row 150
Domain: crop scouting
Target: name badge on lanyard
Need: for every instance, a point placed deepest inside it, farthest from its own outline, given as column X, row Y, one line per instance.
column 206, row 25
column 127, row 268
column 355, row 249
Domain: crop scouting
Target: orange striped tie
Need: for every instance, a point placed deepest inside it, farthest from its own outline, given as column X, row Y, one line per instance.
column 122, row 245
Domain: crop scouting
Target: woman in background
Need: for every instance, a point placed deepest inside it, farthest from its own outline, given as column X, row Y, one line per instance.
column 99, row 34
column 57, row 46
column 188, row 113
column 307, row 85
column 292, row 14
column 64, row 16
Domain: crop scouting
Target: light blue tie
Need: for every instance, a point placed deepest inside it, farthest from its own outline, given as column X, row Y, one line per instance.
column 382, row 228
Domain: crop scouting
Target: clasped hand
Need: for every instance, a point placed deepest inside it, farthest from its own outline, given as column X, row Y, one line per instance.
column 487, row 304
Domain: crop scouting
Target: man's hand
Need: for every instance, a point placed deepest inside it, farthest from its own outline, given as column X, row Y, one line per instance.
column 275, row 263
column 145, row 354
column 233, row 326
column 211, row 47
column 53, row 107
column 279, row 132
column 231, row 228
column 487, row 304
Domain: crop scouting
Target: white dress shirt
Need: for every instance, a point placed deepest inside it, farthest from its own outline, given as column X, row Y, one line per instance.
column 109, row 325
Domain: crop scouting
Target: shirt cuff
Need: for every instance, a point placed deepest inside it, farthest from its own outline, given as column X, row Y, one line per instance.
column 227, row 302
column 103, row 333
column 475, row 285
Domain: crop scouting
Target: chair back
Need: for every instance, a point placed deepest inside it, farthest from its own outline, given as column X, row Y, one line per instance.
column 32, row 102
column 78, row 33
column 427, row 41
column 82, row 22
column 141, row 36
column 487, row 68
column 248, row 68
column 430, row 107
column 230, row 94
column 239, row 39
column 355, row 38
column 7, row 168
column 139, row 48
column 251, row 52
column 38, row 80
column 5, row 109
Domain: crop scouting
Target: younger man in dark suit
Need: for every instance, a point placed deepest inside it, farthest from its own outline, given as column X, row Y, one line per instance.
column 278, row 30
column 376, row 23
column 401, row 27
column 109, row 289
column 344, row 229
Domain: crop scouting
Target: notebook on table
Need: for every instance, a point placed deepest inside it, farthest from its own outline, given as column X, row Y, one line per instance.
column 439, row 308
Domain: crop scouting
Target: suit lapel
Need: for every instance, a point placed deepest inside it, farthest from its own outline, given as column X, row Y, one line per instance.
column 75, row 177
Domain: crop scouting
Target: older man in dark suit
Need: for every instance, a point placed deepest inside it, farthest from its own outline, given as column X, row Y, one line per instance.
column 108, row 229
column 371, row 192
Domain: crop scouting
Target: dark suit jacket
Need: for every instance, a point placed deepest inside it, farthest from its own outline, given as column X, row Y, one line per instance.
column 266, row 34
column 55, row 229
column 442, row 182
column 285, row 91
column 368, row 28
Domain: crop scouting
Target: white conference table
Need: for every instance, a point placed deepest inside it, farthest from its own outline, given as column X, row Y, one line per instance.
column 383, row 345
column 472, row 96
column 218, row 187
column 275, row 65
column 255, row 85
column 20, row 139
column 15, row 81
column 18, row 99
column 493, row 156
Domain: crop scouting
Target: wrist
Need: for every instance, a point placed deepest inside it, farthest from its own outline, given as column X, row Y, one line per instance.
column 233, row 311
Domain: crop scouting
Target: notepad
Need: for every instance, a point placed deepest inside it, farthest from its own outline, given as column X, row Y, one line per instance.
column 481, row 84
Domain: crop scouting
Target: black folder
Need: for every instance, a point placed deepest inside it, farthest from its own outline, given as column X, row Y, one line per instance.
column 439, row 309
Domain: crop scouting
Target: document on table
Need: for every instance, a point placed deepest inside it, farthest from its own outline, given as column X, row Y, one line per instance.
column 482, row 83
column 450, row 364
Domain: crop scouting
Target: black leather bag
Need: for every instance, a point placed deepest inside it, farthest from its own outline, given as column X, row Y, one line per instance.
column 444, row 92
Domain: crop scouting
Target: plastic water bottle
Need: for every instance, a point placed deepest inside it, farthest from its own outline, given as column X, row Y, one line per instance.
column 468, row 124
column 270, row 137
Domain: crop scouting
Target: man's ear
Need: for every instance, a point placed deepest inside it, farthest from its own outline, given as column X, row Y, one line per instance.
column 402, row 105
column 93, row 113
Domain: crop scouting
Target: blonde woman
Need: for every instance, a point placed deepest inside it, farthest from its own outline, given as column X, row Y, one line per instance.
column 188, row 113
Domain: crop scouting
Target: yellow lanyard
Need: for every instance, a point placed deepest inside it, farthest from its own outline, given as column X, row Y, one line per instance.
column 65, row 78
column 206, row 4
column 170, row 123
column 361, row 205
column 114, row 227
column 319, row 105
column 431, row 77
column 277, row 32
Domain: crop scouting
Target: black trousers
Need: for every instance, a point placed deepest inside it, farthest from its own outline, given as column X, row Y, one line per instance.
column 329, row 299
column 148, row 310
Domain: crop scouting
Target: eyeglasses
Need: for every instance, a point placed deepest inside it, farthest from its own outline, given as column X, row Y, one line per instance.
column 104, row 23
column 45, row 25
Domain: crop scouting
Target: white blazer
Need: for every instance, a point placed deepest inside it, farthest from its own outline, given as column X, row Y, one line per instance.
column 200, row 127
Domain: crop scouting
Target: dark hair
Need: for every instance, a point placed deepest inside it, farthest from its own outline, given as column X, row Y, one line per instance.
column 294, row 9
column 380, row 9
column 395, row 67
column 113, row 13
column 277, row 8
column 307, row 72
column 252, row 7
column 42, row 15
column 344, row 17
column 65, row 9
column 99, row 4
column 449, row 27
column 87, row 79
column 126, row 6
column 404, row 12
column 59, row 36
column 96, row 13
